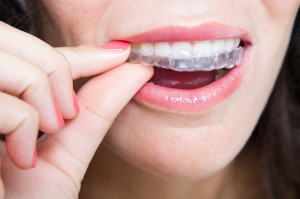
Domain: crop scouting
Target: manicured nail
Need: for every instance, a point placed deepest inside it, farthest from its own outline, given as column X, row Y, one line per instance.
column 59, row 117
column 34, row 159
column 75, row 101
column 116, row 45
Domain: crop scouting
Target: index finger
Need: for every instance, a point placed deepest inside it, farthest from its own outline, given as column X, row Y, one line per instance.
column 89, row 60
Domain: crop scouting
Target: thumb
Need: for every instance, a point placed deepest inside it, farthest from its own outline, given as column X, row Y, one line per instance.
column 101, row 100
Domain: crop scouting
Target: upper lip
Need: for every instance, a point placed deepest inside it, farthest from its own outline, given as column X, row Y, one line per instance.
column 207, row 31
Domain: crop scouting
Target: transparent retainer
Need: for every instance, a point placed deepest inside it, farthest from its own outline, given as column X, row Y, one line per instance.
column 219, row 60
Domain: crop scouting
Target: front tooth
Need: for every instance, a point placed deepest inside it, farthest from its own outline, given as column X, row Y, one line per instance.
column 147, row 49
column 163, row 55
column 162, row 49
column 202, row 49
column 229, row 45
column 147, row 53
column 181, row 50
column 182, row 55
column 218, row 45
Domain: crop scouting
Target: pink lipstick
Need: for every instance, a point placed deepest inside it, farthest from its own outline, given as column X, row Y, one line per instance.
column 200, row 95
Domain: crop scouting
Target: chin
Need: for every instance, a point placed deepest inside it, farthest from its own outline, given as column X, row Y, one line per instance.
column 181, row 148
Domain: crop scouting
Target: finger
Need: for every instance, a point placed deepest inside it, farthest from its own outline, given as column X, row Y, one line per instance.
column 101, row 100
column 89, row 60
column 22, row 79
column 53, row 63
column 19, row 122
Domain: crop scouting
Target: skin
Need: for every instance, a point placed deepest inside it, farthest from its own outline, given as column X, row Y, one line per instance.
column 192, row 152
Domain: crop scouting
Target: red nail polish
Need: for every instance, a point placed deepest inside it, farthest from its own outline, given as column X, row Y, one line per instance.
column 34, row 158
column 59, row 117
column 116, row 45
column 75, row 101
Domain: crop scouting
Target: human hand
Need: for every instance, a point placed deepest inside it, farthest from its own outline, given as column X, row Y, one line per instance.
column 34, row 76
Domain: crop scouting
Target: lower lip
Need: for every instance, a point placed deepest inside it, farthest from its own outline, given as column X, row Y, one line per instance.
column 194, row 100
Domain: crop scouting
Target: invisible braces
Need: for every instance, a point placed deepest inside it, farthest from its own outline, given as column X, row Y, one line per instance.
column 217, row 61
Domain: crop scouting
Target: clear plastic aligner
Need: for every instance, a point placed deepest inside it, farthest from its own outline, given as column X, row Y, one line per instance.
column 219, row 60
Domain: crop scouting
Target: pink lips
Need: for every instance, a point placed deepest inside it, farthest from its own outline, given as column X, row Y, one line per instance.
column 209, row 31
column 194, row 100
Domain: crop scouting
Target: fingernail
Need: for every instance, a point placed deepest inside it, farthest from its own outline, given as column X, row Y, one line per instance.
column 34, row 158
column 116, row 45
column 75, row 101
column 59, row 117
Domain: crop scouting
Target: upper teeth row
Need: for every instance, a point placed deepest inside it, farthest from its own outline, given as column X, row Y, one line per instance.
column 188, row 56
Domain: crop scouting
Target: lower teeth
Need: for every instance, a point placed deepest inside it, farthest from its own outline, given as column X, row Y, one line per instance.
column 215, row 62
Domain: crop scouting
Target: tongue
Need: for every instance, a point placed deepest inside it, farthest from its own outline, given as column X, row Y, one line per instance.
column 182, row 80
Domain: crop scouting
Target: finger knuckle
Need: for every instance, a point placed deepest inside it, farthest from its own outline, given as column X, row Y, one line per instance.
column 38, row 79
column 62, row 63
column 26, row 116
column 31, row 115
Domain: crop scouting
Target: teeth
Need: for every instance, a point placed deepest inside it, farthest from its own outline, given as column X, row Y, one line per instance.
column 163, row 49
column 230, row 44
column 237, row 43
column 146, row 49
column 218, row 46
column 146, row 52
column 162, row 54
column 189, row 56
column 203, row 49
column 220, row 60
column 182, row 55
column 182, row 50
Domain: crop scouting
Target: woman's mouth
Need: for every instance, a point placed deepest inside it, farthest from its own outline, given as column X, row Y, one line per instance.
column 191, row 76
column 188, row 65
